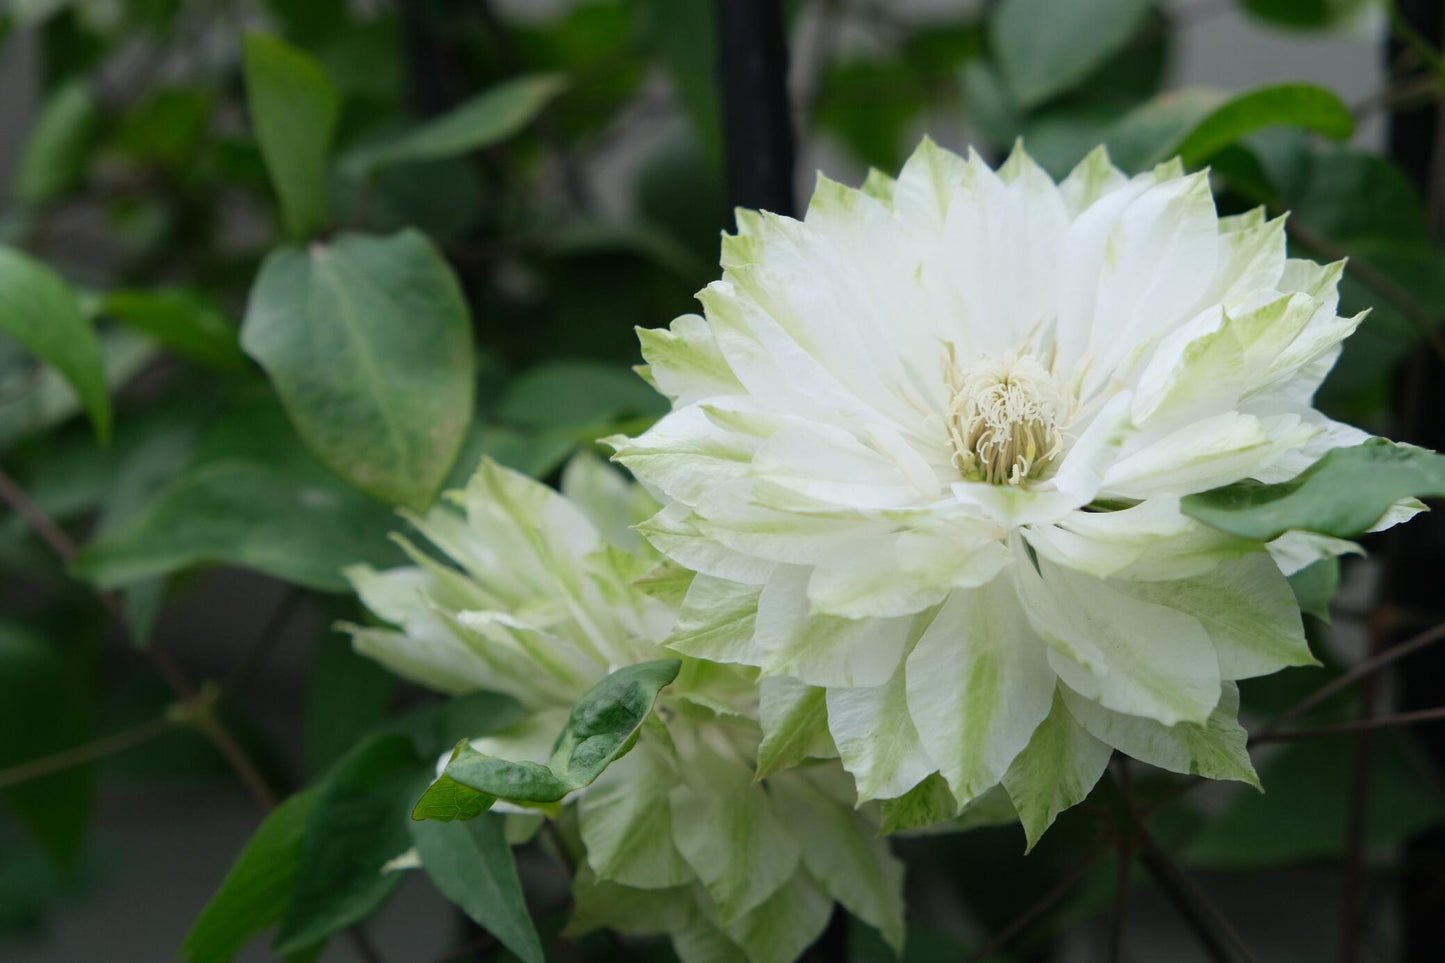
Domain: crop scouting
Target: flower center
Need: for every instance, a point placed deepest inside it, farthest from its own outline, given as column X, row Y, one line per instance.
column 1003, row 418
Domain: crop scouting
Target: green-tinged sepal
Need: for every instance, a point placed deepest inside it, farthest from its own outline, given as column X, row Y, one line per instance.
column 1061, row 763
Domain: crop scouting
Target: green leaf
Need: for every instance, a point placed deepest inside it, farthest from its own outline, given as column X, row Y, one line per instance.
column 38, row 310
column 294, row 109
column 568, row 394
column 1046, row 47
column 601, row 728
column 184, row 321
column 358, row 825
column 1342, row 495
column 471, row 863
column 58, row 147
column 1304, row 811
column 254, row 499
column 1305, row 14
column 486, row 120
column 368, row 342
column 254, row 894
column 1296, row 105
column 1315, row 587
column 46, row 693
column 1150, row 132
column 349, row 695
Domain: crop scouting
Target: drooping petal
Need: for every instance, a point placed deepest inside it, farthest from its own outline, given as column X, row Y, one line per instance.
column 794, row 720
column 842, row 851
column 979, row 683
column 730, row 835
column 625, row 820
column 876, row 738
column 1248, row 609
column 1215, row 749
column 1056, row 770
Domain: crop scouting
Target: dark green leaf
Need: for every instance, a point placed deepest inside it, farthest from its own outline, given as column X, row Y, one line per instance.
column 359, row 823
column 1045, row 47
column 1304, row 14
column 601, row 728
column 294, row 110
column 254, row 499
column 1148, row 133
column 58, row 147
column 38, row 310
column 471, row 863
column 487, row 119
column 1295, row 105
column 254, row 894
column 1304, row 812
column 368, row 341
column 184, row 321
column 537, row 455
column 1342, row 495
column 569, row 394
column 349, row 696
column 45, row 708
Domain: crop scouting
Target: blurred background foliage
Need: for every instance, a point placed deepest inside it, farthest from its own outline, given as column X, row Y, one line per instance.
column 489, row 197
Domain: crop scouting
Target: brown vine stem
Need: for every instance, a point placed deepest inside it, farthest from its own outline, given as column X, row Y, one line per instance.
column 1360, row 725
column 200, row 706
column 1374, row 663
column 89, row 752
column 1126, row 866
column 1039, row 907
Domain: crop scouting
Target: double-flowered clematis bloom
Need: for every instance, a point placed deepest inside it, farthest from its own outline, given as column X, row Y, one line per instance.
column 540, row 595
column 927, row 451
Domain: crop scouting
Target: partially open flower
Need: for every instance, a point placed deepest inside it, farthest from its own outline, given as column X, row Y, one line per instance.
column 682, row 835
column 933, row 438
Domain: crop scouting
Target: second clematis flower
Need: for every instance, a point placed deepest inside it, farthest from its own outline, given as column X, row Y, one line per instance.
column 927, row 451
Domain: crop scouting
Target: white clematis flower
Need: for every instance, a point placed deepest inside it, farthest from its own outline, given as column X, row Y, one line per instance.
column 927, row 450
column 683, row 835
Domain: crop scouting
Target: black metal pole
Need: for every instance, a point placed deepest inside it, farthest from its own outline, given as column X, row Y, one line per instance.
column 1416, row 553
column 752, row 64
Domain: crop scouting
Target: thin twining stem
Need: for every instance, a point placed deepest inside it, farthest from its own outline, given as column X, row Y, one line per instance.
column 1373, row 664
column 201, row 711
column 1359, row 725
column 1040, row 906
column 91, row 751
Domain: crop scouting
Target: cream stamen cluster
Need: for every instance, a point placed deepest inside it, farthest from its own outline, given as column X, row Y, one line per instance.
column 1003, row 419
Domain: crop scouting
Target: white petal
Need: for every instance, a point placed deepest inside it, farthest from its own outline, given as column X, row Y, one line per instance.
column 717, row 622
column 824, row 650
column 979, row 683
column 684, row 362
column 1130, row 656
column 904, row 573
